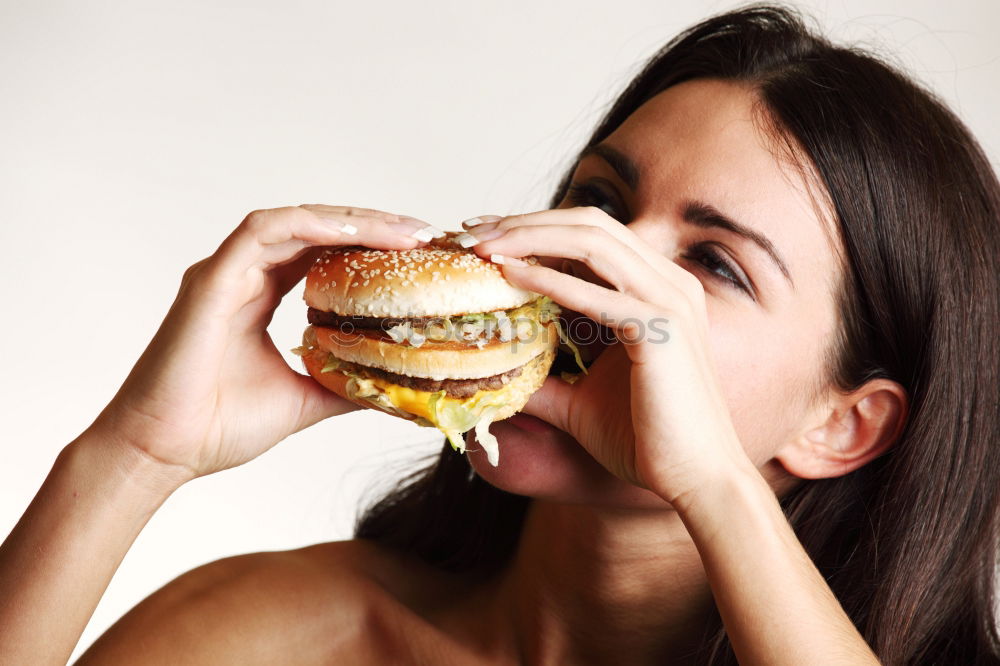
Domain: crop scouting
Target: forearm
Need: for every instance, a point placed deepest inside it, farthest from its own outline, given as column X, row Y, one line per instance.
column 60, row 557
column 775, row 605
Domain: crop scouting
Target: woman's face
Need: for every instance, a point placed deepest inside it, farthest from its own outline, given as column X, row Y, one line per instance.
column 701, row 154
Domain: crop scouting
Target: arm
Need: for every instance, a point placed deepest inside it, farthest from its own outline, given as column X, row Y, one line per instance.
column 58, row 560
column 666, row 427
column 181, row 413
column 775, row 605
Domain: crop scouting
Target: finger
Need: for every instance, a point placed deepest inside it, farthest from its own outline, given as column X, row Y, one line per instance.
column 343, row 212
column 349, row 211
column 611, row 260
column 285, row 276
column 272, row 237
column 551, row 403
column 631, row 319
column 319, row 403
column 482, row 219
column 582, row 216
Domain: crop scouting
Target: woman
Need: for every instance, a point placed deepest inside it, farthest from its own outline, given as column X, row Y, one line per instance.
column 804, row 468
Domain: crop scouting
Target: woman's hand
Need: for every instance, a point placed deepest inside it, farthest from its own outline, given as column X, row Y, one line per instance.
column 211, row 391
column 650, row 409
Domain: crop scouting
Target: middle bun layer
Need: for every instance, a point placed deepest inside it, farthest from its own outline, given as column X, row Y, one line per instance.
column 448, row 360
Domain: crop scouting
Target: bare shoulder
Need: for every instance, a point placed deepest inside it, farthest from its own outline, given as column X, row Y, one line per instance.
column 310, row 605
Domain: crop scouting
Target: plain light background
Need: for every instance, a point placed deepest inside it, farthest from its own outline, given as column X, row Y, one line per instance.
column 134, row 136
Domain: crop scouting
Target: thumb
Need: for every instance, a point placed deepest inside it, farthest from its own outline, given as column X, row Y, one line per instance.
column 319, row 403
column 551, row 403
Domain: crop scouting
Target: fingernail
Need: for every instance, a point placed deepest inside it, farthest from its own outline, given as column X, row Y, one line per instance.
column 507, row 261
column 435, row 231
column 414, row 228
column 476, row 237
column 482, row 219
column 423, row 235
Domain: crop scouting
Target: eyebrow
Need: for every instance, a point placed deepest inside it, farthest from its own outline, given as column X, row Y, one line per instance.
column 703, row 215
column 620, row 162
column 697, row 213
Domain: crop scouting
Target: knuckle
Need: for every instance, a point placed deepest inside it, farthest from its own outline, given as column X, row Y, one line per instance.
column 195, row 273
column 591, row 239
column 594, row 215
column 257, row 222
column 692, row 287
column 192, row 271
column 254, row 220
column 512, row 221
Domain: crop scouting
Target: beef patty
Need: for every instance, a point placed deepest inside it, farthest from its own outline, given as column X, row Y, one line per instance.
column 456, row 388
column 349, row 322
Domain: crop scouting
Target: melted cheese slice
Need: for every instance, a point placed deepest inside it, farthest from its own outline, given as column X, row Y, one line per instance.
column 418, row 402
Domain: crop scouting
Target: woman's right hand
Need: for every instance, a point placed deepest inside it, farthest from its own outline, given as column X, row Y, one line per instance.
column 211, row 391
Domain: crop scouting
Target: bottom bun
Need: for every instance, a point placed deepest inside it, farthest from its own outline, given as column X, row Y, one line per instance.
column 337, row 381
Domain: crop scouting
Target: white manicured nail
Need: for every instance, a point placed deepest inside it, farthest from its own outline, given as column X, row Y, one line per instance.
column 348, row 229
column 438, row 233
column 466, row 240
column 504, row 260
column 423, row 235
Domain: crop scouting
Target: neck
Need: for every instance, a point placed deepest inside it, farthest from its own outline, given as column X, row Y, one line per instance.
column 605, row 586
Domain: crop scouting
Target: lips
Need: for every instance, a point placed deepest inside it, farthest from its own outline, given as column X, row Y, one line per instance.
column 531, row 424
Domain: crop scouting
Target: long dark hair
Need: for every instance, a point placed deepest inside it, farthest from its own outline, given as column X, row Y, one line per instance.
column 909, row 542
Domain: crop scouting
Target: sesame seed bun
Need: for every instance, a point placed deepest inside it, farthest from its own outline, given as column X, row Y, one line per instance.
column 375, row 336
column 440, row 279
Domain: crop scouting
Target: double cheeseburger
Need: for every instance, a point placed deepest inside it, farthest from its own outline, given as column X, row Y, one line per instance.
column 434, row 335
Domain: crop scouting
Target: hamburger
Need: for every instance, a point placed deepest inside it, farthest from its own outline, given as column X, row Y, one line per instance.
column 435, row 335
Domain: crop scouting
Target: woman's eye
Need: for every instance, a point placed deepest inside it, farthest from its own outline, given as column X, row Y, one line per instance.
column 713, row 261
column 586, row 194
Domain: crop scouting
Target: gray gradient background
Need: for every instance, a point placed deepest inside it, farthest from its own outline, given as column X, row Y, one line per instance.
column 134, row 136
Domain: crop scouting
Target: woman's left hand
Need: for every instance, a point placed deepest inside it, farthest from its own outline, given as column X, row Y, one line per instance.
column 650, row 409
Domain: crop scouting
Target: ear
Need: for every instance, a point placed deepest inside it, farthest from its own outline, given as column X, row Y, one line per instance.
column 853, row 429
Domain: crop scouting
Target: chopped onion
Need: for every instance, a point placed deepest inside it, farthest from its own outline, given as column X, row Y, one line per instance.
column 399, row 332
column 506, row 330
column 416, row 339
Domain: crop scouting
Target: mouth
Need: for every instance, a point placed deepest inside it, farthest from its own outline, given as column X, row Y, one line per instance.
column 531, row 424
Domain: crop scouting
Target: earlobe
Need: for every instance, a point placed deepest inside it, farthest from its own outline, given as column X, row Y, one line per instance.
column 854, row 429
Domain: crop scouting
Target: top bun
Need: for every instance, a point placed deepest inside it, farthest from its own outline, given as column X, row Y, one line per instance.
column 438, row 280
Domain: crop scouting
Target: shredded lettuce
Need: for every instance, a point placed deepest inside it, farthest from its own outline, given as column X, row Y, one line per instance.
column 548, row 311
column 456, row 419
column 485, row 438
